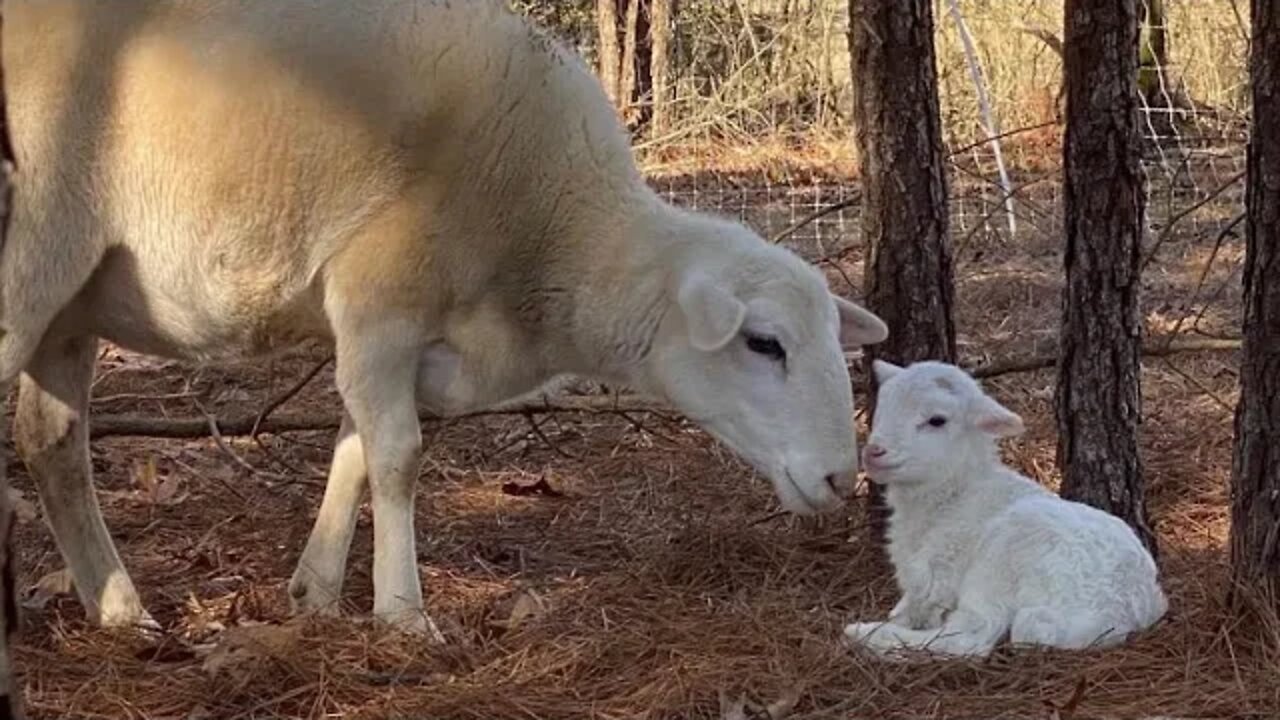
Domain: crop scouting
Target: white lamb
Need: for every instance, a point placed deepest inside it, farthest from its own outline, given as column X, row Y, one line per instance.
column 438, row 190
column 981, row 552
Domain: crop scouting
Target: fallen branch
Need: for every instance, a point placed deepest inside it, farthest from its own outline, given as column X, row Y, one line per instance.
column 1042, row 362
column 134, row 425
column 187, row 428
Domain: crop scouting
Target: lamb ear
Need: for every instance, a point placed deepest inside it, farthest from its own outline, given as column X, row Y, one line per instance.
column 713, row 315
column 858, row 326
column 884, row 370
column 995, row 419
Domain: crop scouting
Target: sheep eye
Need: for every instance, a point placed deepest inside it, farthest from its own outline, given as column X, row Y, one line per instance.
column 767, row 346
column 937, row 421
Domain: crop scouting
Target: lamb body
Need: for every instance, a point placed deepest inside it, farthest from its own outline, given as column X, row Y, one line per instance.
column 437, row 189
column 981, row 552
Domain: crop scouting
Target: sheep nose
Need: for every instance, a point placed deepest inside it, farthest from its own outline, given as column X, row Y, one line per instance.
column 874, row 450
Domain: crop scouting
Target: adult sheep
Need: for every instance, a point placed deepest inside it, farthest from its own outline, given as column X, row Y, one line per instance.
column 438, row 189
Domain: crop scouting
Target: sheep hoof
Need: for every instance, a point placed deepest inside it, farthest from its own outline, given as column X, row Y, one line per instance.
column 415, row 622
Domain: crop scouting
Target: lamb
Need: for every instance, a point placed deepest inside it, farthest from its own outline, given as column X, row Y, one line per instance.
column 437, row 189
column 979, row 551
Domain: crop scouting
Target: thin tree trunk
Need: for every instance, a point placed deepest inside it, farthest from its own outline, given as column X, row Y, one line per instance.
column 1255, row 477
column 609, row 55
column 1098, row 395
column 627, row 78
column 904, row 227
column 662, row 19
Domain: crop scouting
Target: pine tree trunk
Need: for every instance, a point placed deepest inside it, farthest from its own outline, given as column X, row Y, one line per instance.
column 1255, row 477
column 608, row 51
column 627, row 78
column 1098, row 397
column 904, row 221
column 662, row 19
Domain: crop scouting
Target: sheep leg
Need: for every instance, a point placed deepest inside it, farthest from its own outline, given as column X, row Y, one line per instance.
column 316, row 585
column 51, row 434
column 964, row 634
column 377, row 377
column 917, row 614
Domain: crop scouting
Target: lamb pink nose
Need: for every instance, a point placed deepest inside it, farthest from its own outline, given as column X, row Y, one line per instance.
column 871, row 454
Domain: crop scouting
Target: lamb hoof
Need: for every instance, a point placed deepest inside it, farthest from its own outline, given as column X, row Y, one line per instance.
column 857, row 634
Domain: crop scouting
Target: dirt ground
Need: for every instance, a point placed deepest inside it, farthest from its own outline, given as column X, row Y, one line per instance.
column 648, row 575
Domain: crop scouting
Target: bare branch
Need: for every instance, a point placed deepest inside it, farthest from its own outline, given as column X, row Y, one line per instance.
column 189, row 428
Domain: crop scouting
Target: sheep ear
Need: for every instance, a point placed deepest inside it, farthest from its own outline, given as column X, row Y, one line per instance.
column 995, row 419
column 884, row 370
column 858, row 326
column 713, row 315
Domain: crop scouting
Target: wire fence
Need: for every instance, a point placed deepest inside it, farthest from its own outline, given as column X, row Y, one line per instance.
column 761, row 116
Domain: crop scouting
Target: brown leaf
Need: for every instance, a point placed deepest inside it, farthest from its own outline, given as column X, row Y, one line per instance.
column 47, row 588
column 541, row 487
column 241, row 650
column 144, row 475
column 785, row 705
column 167, row 492
column 524, row 606
column 23, row 509
column 733, row 708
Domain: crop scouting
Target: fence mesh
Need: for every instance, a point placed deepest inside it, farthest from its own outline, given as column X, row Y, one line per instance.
column 760, row 108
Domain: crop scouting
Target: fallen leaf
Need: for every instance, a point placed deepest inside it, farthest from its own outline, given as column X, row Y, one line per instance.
column 736, row 708
column 47, row 588
column 785, row 705
column 514, row 611
column 144, row 475
column 733, row 708
column 541, row 487
column 241, row 650
column 166, row 492
column 23, row 509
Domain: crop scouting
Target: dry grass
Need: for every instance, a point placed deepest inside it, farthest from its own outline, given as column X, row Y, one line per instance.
column 656, row 580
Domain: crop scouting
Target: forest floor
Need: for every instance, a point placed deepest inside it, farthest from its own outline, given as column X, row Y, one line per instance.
column 622, row 565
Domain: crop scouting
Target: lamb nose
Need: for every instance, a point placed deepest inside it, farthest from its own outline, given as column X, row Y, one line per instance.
column 874, row 450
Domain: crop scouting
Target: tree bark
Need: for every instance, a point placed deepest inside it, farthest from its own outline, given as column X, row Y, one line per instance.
column 1255, row 476
column 1098, row 394
column 608, row 51
column 662, row 14
column 898, row 132
column 627, row 81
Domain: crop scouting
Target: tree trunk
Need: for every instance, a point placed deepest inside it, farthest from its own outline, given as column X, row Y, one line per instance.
column 627, row 78
column 1153, row 56
column 1255, row 477
column 608, row 52
column 661, row 23
column 904, row 221
column 1098, row 396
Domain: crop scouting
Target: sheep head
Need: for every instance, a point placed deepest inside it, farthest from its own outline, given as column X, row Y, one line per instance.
column 931, row 420
column 752, row 349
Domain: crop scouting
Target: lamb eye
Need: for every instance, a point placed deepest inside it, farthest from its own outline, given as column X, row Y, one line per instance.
column 937, row 421
column 767, row 346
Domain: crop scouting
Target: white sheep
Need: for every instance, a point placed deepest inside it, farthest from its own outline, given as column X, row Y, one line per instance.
column 979, row 551
column 436, row 188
